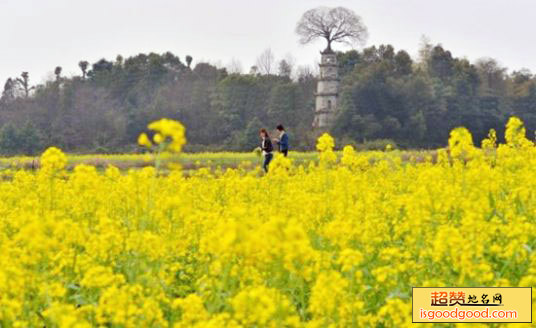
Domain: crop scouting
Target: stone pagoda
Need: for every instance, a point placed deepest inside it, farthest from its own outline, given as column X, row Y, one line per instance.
column 327, row 90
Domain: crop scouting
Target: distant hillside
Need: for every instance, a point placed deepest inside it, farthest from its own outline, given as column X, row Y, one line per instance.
column 384, row 94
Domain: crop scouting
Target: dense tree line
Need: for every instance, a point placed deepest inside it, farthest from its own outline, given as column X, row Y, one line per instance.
column 111, row 102
column 385, row 94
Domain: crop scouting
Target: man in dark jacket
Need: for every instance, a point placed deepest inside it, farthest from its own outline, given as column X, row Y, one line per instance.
column 282, row 142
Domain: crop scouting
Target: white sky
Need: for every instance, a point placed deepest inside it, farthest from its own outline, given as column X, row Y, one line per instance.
column 38, row 35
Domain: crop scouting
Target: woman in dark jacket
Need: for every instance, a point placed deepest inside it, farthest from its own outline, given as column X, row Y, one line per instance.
column 267, row 148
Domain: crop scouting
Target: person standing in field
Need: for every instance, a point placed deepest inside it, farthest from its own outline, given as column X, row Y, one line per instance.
column 282, row 142
column 267, row 148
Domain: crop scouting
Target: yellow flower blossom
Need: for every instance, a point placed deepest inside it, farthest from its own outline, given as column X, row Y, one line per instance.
column 308, row 245
column 143, row 140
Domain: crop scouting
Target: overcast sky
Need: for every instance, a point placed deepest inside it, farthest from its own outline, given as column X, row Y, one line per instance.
column 38, row 35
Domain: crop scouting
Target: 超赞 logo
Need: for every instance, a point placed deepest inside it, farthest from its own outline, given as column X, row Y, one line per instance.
column 472, row 304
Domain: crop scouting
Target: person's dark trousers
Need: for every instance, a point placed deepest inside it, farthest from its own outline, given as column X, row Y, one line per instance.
column 267, row 159
column 284, row 152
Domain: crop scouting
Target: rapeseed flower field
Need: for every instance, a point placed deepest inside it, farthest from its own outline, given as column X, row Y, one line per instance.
column 333, row 243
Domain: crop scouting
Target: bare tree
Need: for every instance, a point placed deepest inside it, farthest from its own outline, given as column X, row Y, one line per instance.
column 234, row 67
column 337, row 24
column 266, row 62
column 305, row 72
column 425, row 48
column 290, row 59
column 24, row 82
